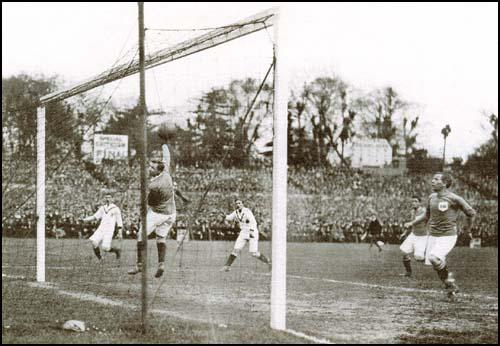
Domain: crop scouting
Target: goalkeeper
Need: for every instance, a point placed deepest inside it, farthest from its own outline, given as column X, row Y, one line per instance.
column 161, row 212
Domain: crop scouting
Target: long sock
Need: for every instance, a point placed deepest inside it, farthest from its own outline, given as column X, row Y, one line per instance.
column 264, row 259
column 443, row 273
column 141, row 245
column 97, row 252
column 116, row 251
column 162, row 249
column 407, row 264
column 230, row 260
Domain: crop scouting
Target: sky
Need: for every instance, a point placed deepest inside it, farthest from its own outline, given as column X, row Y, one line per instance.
column 442, row 57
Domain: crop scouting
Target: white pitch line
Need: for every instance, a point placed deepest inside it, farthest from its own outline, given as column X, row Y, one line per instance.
column 16, row 277
column 107, row 301
column 308, row 337
column 397, row 288
column 53, row 267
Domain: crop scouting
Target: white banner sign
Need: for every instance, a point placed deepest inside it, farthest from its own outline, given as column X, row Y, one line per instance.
column 110, row 147
column 371, row 152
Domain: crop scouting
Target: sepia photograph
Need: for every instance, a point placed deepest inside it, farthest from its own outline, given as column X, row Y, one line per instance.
column 249, row 173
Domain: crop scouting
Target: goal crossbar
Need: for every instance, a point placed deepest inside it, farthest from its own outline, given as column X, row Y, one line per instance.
column 211, row 39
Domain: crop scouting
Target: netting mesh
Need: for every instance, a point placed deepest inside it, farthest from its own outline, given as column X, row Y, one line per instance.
column 192, row 286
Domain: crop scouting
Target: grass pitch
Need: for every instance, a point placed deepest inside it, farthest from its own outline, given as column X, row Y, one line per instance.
column 343, row 293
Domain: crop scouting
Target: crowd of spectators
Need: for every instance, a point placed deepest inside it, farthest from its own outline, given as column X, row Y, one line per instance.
column 323, row 206
column 486, row 186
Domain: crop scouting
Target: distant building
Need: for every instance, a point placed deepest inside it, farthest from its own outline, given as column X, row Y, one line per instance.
column 373, row 155
column 365, row 152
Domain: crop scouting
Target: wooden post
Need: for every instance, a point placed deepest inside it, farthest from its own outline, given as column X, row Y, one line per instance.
column 144, row 173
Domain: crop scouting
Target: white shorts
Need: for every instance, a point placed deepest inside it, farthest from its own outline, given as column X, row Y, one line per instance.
column 415, row 244
column 158, row 223
column 103, row 236
column 252, row 237
column 439, row 247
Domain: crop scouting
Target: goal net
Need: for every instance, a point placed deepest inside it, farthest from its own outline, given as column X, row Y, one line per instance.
column 211, row 97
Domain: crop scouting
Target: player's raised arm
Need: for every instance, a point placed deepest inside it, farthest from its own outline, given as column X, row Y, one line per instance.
column 166, row 157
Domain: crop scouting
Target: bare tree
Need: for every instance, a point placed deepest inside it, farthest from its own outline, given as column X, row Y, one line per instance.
column 326, row 99
column 380, row 110
column 410, row 135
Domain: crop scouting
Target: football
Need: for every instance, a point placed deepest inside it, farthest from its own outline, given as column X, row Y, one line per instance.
column 167, row 132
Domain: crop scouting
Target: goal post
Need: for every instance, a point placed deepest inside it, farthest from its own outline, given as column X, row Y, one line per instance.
column 40, row 195
column 279, row 200
column 260, row 21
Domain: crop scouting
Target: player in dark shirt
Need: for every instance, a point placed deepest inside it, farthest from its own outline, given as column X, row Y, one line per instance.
column 443, row 208
column 374, row 231
column 161, row 212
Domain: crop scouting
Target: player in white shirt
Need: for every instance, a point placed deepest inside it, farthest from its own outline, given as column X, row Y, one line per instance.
column 248, row 232
column 110, row 216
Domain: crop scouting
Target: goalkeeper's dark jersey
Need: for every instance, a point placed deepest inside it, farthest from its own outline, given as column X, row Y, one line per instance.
column 161, row 194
